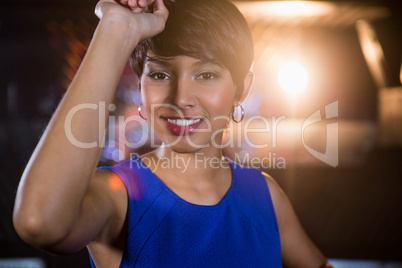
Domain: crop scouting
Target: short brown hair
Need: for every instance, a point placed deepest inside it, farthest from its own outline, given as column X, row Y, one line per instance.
column 211, row 30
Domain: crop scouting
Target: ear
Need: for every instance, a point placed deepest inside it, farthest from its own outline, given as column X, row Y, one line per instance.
column 248, row 83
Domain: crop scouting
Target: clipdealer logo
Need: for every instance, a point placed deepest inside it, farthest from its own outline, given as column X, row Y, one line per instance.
column 330, row 156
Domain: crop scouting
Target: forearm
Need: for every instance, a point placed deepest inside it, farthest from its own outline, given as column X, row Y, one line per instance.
column 57, row 176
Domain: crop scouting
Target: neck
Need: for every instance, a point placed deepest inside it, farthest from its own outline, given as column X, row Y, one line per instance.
column 196, row 177
column 197, row 166
column 189, row 164
column 200, row 178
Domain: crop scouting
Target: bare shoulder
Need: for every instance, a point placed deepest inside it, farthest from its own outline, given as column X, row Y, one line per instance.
column 285, row 214
column 278, row 196
column 283, row 207
column 297, row 248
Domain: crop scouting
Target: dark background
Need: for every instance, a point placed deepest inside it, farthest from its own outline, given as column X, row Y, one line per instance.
column 352, row 211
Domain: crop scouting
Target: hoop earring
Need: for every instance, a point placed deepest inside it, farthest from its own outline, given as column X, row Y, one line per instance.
column 139, row 112
column 242, row 114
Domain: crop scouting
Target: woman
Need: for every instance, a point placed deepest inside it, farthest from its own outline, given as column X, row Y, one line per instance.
column 193, row 59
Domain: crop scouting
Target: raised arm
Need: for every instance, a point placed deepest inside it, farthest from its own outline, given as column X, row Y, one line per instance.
column 59, row 206
column 297, row 248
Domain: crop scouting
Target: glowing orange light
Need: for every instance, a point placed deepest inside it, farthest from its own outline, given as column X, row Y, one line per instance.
column 285, row 8
column 115, row 183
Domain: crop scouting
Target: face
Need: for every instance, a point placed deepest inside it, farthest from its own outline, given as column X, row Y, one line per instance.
column 188, row 101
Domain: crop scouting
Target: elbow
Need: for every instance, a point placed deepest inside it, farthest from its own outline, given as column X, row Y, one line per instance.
column 36, row 231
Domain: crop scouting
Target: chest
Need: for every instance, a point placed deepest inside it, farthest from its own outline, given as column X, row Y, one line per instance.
column 204, row 237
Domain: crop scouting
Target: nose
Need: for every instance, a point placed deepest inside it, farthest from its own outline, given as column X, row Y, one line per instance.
column 184, row 97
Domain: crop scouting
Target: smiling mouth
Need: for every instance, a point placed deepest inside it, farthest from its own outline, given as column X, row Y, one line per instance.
column 183, row 122
column 182, row 126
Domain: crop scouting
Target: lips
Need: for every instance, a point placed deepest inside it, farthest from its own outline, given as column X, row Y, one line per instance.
column 182, row 126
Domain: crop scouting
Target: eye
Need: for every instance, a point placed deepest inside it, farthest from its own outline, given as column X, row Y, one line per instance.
column 158, row 76
column 208, row 76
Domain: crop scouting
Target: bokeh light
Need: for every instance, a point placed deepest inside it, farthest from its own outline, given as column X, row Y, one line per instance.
column 292, row 78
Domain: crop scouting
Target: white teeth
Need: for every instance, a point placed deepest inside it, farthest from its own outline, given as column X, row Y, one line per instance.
column 183, row 122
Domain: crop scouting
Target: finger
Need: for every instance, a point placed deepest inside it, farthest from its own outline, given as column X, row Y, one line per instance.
column 142, row 3
column 123, row 2
column 160, row 9
column 149, row 5
column 146, row 5
column 132, row 4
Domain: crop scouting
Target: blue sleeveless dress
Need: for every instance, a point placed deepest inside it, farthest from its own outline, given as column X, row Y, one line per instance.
column 167, row 231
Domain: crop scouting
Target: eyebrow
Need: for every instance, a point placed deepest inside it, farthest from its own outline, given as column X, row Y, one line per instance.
column 164, row 62
column 202, row 62
column 158, row 61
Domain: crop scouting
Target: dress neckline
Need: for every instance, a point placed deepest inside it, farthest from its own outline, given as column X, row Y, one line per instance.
column 187, row 203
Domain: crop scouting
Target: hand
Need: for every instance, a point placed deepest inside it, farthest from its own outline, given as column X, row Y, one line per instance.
column 146, row 17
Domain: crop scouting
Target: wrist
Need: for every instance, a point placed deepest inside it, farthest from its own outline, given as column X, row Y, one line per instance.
column 122, row 31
